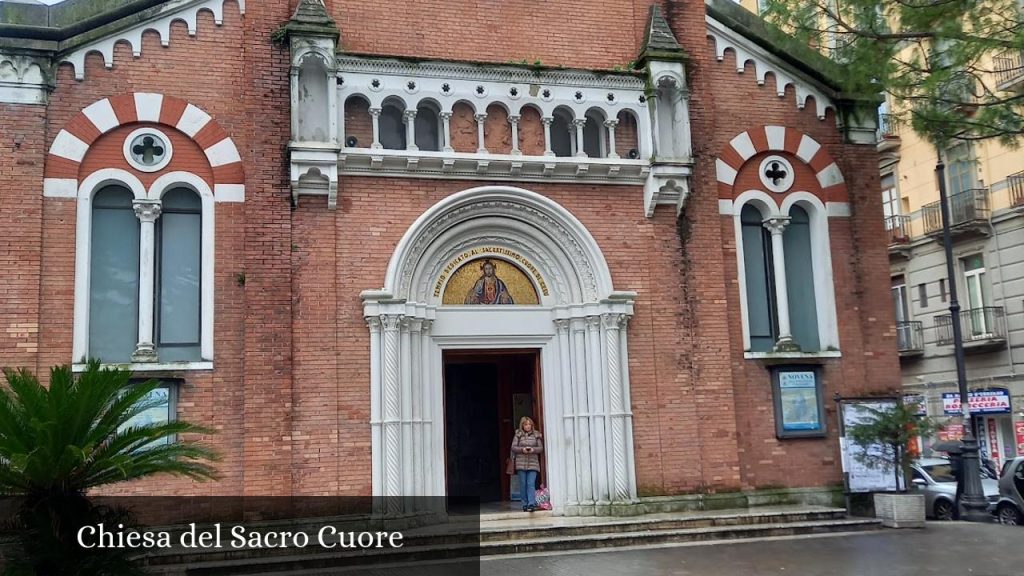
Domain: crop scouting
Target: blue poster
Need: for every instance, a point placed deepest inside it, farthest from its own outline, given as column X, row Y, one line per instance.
column 798, row 397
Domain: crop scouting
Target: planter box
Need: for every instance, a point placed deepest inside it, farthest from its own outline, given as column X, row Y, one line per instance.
column 900, row 510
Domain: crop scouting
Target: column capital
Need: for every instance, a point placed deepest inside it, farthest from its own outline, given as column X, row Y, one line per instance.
column 146, row 210
column 391, row 322
column 445, row 115
column 547, row 120
column 579, row 122
column 611, row 123
column 776, row 224
column 375, row 112
column 514, row 118
column 373, row 322
column 409, row 114
column 480, row 117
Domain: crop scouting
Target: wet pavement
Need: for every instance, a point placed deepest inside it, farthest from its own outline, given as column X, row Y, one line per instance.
column 943, row 548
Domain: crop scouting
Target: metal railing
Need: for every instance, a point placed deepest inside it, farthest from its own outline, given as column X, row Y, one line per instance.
column 899, row 229
column 909, row 336
column 1009, row 67
column 888, row 127
column 977, row 325
column 1015, row 183
column 965, row 206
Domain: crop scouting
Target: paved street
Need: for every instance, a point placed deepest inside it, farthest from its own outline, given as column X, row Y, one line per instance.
column 941, row 548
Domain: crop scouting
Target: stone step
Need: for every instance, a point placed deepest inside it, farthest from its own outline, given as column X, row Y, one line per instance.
column 494, row 531
column 599, row 533
column 649, row 537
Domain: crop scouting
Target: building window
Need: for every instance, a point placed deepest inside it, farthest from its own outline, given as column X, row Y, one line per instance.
column 922, row 295
column 428, row 128
column 961, row 168
column 160, row 406
column 593, row 135
column 890, row 199
column 178, row 283
column 563, row 133
column 760, row 284
column 392, row 127
column 114, row 276
column 974, row 281
column 803, row 310
column 899, row 299
column 785, row 246
column 144, row 272
column 942, row 289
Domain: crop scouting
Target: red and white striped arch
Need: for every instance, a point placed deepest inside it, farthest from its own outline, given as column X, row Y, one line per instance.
column 779, row 139
column 69, row 147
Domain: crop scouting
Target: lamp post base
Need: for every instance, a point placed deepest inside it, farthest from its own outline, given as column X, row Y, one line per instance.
column 973, row 503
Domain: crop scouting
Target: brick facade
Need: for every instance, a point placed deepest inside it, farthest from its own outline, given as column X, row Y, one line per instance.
column 288, row 394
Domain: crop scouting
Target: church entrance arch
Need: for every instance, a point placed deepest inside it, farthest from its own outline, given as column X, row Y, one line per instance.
column 497, row 268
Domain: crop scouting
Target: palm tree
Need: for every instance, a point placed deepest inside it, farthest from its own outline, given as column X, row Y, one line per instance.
column 57, row 443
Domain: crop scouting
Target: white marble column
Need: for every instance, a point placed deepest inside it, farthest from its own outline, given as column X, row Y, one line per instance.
column 610, row 125
column 514, row 121
column 425, row 397
column 409, row 116
column 446, row 132
column 578, row 124
column 391, row 420
column 620, row 489
column 546, row 121
column 785, row 343
column 570, row 412
column 578, row 360
column 147, row 211
column 598, row 410
column 375, row 119
column 481, row 148
column 376, row 419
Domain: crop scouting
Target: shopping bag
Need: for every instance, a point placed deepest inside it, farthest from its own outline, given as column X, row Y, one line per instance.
column 543, row 498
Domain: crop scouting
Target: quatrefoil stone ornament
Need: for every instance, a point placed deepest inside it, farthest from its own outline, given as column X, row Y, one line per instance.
column 776, row 174
column 147, row 149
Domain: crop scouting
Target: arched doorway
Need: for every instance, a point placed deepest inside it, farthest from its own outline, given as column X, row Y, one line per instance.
column 576, row 322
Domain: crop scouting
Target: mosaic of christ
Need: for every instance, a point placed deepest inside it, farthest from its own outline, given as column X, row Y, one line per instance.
column 489, row 281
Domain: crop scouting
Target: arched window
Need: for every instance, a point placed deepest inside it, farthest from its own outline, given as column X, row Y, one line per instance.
column 760, row 283
column 178, row 275
column 113, row 276
column 428, row 128
column 593, row 136
column 800, row 280
column 313, row 106
column 392, row 127
column 561, row 138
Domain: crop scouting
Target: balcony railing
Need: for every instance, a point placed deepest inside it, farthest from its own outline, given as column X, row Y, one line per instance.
column 899, row 229
column 1009, row 68
column 909, row 338
column 965, row 207
column 978, row 325
column 888, row 127
column 1015, row 182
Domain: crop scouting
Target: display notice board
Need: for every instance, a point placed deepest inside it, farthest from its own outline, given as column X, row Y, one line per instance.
column 857, row 476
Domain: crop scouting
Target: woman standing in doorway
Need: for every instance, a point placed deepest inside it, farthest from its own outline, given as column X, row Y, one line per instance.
column 527, row 447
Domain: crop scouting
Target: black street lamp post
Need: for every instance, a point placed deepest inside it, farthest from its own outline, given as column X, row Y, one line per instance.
column 973, row 501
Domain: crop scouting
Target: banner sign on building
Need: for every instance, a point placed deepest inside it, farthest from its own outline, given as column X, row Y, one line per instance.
column 1019, row 429
column 922, row 407
column 994, row 401
column 993, row 442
